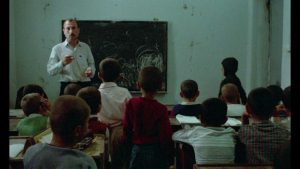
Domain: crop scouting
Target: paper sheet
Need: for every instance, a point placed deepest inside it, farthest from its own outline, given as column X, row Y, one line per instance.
column 16, row 113
column 187, row 119
column 232, row 122
column 47, row 138
column 15, row 149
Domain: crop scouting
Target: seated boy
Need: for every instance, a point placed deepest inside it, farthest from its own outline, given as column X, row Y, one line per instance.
column 212, row 143
column 189, row 93
column 69, row 124
column 92, row 97
column 262, row 139
column 230, row 95
column 34, row 122
column 72, row 89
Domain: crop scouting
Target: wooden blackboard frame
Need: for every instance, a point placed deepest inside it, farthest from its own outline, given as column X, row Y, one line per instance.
column 134, row 43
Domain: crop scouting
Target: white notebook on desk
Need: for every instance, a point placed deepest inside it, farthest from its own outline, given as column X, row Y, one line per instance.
column 15, row 149
column 232, row 122
column 187, row 119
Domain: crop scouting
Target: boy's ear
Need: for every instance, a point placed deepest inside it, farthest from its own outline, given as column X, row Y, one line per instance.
column 249, row 109
column 181, row 94
column 138, row 85
column 99, row 108
column 79, row 132
column 197, row 93
column 99, row 75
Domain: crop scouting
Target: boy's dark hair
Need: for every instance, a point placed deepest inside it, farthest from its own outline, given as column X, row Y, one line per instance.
column 189, row 88
column 92, row 97
column 277, row 93
column 67, row 112
column 215, row 112
column 109, row 69
column 262, row 102
column 287, row 97
column 31, row 103
column 150, row 79
column 34, row 88
column 230, row 66
column 72, row 89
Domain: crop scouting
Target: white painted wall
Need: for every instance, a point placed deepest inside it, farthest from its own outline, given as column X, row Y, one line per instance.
column 201, row 33
column 280, row 64
column 286, row 45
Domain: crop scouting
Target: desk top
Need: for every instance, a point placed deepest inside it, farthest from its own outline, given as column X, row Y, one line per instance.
column 95, row 149
column 232, row 166
column 16, row 113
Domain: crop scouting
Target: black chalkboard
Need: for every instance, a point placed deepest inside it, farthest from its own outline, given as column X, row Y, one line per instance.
column 134, row 43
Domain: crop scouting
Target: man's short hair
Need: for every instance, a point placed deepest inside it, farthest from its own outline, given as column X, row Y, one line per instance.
column 230, row 65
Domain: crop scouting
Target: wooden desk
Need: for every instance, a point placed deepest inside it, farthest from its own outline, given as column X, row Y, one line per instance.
column 96, row 150
column 16, row 113
column 233, row 166
column 13, row 122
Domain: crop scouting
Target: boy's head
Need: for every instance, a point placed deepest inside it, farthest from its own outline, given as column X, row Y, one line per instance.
column 31, row 103
column 109, row 70
column 230, row 66
column 150, row 79
column 189, row 89
column 215, row 112
column 260, row 103
column 92, row 97
column 277, row 93
column 69, row 118
column 230, row 93
column 72, row 89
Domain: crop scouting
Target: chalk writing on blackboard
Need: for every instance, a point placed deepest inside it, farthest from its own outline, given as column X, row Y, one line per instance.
column 135, row 44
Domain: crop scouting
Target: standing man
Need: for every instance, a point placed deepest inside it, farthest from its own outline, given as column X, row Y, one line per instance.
column 72, row 59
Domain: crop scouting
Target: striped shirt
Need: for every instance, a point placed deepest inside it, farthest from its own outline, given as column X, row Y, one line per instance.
column 211, row 144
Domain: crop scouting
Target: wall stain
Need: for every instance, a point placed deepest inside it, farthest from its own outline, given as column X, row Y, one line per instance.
column 155, row 19
column 185, row 6
column 46, row 6
column 192, row 11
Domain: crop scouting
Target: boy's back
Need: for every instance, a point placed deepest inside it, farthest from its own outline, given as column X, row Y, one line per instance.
column 114, row 100
column 45, row 156
column 149, row 119
column 187, row 109
column 146, row 124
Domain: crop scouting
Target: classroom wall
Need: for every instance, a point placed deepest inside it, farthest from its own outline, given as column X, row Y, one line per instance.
column 201, row 33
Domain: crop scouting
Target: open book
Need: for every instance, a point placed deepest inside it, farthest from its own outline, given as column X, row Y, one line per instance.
column 187, row 119
column 232, row 122
column 15, row 149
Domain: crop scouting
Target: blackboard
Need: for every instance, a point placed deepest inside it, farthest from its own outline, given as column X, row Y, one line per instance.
column 134, row 44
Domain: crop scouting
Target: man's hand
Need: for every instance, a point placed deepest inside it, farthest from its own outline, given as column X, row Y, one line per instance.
column 88, row 72
column 67, row 60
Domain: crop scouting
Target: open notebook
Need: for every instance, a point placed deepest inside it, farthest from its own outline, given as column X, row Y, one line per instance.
column 15, row 149
column 187, row 119
column 193, row 120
